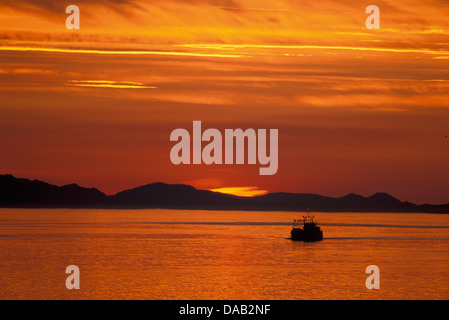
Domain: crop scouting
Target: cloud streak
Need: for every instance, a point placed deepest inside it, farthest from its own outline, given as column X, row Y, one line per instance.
column 108, row 84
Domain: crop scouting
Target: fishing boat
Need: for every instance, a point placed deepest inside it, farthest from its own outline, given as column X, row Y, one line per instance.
column 309, row 231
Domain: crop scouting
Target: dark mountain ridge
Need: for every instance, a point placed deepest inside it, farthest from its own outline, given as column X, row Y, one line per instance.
column 24, row 193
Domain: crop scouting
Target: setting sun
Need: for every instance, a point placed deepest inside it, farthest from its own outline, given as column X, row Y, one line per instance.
column 242, row 191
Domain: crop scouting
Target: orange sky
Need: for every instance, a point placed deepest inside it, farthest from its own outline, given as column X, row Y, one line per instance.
column 357, row 110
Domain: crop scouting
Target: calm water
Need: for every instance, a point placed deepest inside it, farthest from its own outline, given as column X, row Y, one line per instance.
column 174, row 254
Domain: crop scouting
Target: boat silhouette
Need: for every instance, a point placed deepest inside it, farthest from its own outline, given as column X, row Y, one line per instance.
column 309, row 231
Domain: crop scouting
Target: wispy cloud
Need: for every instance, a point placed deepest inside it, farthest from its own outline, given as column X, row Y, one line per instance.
column 108, row 84
column 316, row 47
column 120, row 52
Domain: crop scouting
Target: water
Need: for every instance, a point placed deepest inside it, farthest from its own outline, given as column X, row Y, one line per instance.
column 176, row 254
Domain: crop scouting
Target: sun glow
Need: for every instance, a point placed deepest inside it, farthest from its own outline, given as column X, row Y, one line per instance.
column 242, row 191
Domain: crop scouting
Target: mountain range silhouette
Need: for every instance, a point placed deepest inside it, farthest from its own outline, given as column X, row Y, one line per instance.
column 25, row 193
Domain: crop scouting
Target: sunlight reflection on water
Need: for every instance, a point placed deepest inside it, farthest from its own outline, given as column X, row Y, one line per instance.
column 174, row 254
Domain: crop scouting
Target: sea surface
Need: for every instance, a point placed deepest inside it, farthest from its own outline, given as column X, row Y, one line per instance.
column 184, row 254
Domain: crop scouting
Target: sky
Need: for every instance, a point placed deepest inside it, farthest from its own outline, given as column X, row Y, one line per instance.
column 358, row 110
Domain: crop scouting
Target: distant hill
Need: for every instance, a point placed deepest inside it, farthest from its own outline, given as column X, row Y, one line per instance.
column 16, row 192
column 24, row 193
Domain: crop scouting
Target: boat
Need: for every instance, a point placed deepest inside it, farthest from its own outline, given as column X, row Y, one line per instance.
column 309, row 231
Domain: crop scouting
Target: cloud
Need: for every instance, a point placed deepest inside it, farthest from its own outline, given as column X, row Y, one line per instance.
column 108, row 84
column 57, row 6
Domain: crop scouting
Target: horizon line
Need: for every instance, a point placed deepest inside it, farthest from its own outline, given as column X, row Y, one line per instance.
column 240, row 196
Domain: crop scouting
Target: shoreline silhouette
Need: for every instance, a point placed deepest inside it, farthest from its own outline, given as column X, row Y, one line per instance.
column 25, row 193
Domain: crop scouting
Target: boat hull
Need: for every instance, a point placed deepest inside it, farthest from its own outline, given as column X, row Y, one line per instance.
column 298, row 234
